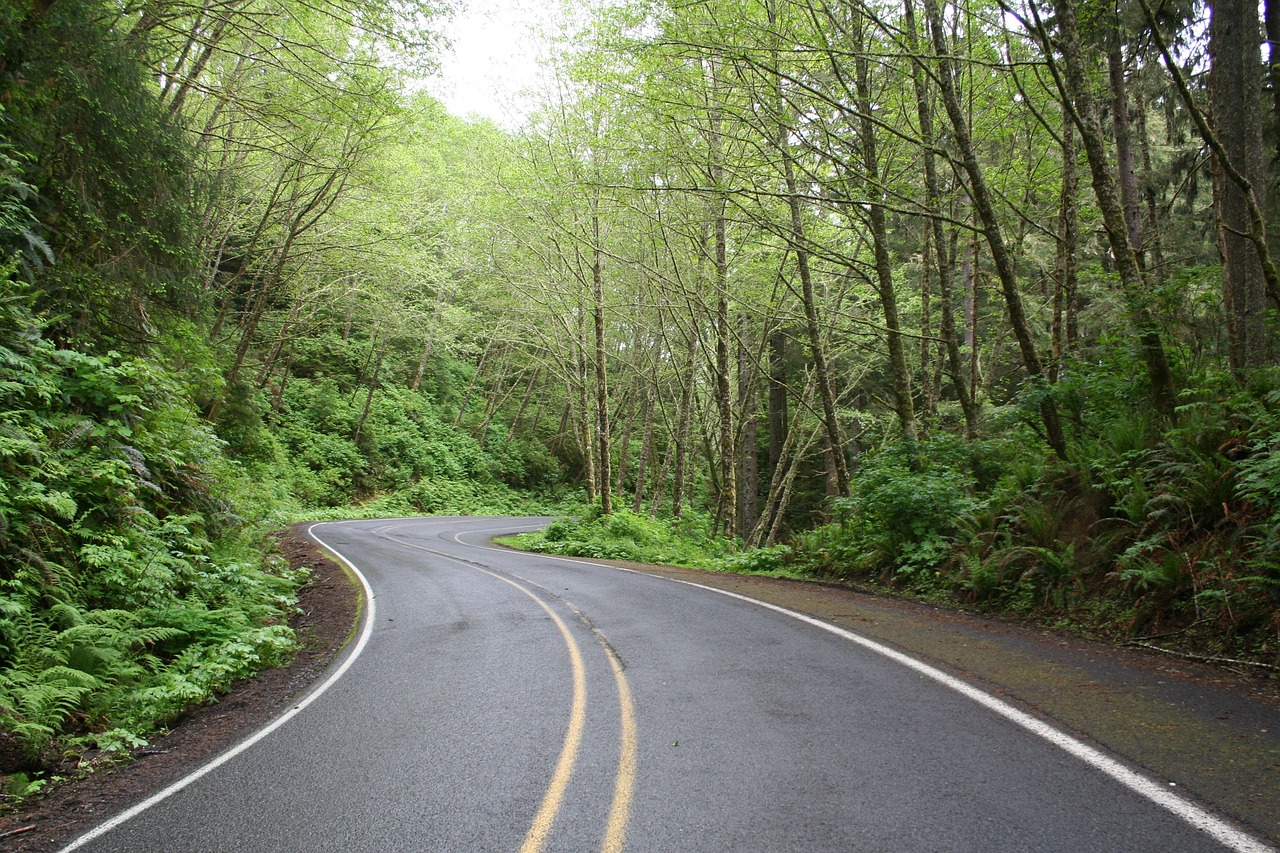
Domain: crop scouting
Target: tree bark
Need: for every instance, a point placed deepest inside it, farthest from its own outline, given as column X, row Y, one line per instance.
column 602, row 374
column 1126, row 164
column 1272, row 21
column 373, row 386
column 584, row 412
column 928, row 385
column 902, row 395
column 777, row 397
column 838, row 468
column 982, row 202
column 646, row 449
column 683, row 418
column 1235, row 88
column 1084, row 113
column 940, row 259
column 1065, row 284
column 727, row 503
column 748, row 474
column 1253, row 193
column 524, row 405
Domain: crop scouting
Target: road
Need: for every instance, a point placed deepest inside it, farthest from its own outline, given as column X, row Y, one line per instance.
column 498, row 701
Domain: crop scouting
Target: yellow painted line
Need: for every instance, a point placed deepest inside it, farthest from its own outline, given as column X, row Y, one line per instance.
column 615, row 834
column 624, row 785
column 540, row 830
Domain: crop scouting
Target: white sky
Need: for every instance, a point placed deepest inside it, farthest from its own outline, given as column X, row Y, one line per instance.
column 494, row 58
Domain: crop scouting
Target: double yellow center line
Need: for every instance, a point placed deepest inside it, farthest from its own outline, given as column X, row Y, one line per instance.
column 535, row 839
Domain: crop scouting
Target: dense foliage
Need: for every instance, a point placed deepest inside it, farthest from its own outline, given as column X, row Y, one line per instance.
column 972, row 301
column 187, row 362
column 966, row 300
column 130, row 587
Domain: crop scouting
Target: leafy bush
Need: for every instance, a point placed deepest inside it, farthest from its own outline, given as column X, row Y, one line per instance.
column 900, row 520
column 758, row 561
column 116, row 535
column 621, row 535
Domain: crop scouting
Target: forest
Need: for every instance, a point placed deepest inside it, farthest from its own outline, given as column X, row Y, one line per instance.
column 971, row 301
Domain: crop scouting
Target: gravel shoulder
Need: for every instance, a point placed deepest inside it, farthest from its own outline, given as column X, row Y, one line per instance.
column 1211, row 733
column 1204, row 731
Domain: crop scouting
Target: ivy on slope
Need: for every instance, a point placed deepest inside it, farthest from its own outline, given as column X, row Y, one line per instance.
column 130, row 586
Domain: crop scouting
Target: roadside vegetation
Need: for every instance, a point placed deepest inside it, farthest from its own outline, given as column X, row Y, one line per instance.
column 958, row 302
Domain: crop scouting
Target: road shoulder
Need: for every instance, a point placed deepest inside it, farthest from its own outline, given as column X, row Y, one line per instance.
column 1210, row 733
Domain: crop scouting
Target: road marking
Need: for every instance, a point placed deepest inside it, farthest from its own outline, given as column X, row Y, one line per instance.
column 1198, row 817
column 540, row 830
column 615, row 834
column 624, row 783
column 154, row 799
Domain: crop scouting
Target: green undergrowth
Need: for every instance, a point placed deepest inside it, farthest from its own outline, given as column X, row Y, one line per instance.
column 136, row 576
column 1168, row 535
column 629, row 536
column 133, row 582
column 440, row 497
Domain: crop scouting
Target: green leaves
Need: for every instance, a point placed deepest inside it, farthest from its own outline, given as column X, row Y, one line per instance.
column 112, row 588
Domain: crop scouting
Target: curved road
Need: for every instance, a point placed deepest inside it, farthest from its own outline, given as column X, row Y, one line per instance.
column 498, row 701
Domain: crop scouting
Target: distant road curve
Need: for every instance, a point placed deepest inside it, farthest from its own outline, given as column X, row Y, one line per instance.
column 498, row 701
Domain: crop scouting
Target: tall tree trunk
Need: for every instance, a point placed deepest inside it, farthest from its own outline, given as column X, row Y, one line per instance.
column 474, row 380
column 502, row 391
column 726, row 506
column 585, row 436
column 748, row 473
column 1084, row 112
column 421, row 371
column 1153, row 239
column 838, row 467
column 1126, row 163
column 1235, row 87
column 941, row 262
column 969, row 283
column 928, row 395
column 646, row 448
column 1272, row 19
column 277, row 346
column 524, row 404
column 726, row 509
column 784, row 472
column 777, row 397
column 358, row 433
column 983, row 205
column 813, row 327
column 602, row 375
column 901, row 374
column 626, row 417
column 1252, row 192
column 1065, row 284
column 683, row 418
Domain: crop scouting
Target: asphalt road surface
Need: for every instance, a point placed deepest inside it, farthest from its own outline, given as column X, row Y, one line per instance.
column 497, row 701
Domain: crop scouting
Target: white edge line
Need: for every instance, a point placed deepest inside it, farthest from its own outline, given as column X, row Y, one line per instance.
column 1198, row 817
column 154, row 799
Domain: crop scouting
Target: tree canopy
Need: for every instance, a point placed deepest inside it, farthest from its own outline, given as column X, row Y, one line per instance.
column 973, row 299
